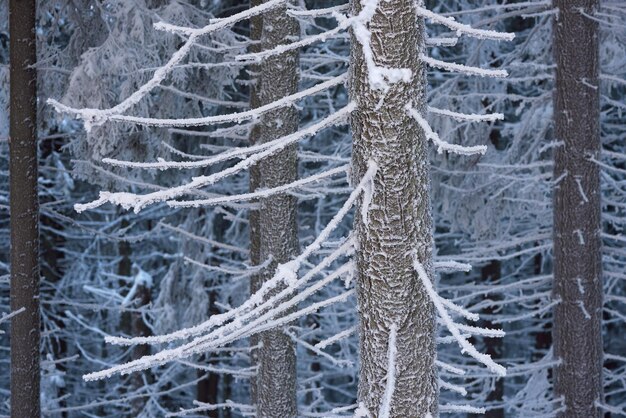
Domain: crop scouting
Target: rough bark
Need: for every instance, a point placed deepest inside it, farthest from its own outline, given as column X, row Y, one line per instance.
column 24, row 209
column 277, row 228
column 400, row 220
column 256, row 29
column 577, row 242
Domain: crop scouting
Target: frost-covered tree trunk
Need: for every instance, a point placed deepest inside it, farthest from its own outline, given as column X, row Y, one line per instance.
column 24, row 207
column 577, row 241
column 399, row 219
column 277, row 228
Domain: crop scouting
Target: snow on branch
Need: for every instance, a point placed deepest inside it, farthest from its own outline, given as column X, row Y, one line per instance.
column 97, row 117
column 256, row 314
column 451, row 409
column 491, row 117
column 281, row 49
column 392, row 353
column 220, row 337
column 440, row 144
column 462, row 29
column 138, row 202
column 449, row 266
column 331, row 120
column 10, row 315
column 318, row 12
column 454, row 328
column 464, row 69
column 337, row 337
column 232, row 117
column 261, row 194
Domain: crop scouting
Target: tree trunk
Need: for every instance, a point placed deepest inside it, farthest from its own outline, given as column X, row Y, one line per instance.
column 208, row 387
column 399, row 224
column 139, row 328
column 577, row 225
column 277, row 228
column 24, row 207
column 256, row 29
column 494, row 347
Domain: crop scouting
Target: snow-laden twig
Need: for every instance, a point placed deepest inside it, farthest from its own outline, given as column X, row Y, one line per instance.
column 205, row 407
column 390, row 385
column 96, row 117
column 449, row 266
column 463, row 69
column 258, row 298
column 318, row 12
column 138, row 202
column 439, row 143
column 217, row 339
column 491, row 117
column 449, row 368
column 261, row 194
column 452, row 387
column 462, row 29
column 10, row 315
column 453, row 328
column 232, row 117
column 281, row 49
column 451, row 409
column 331, row 120
column 258, row 321
column 337, row 337
column 242, row 313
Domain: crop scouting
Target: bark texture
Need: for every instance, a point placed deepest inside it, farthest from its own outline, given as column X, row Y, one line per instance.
column 24, row 209
column 399, row 218
column 577, row 242
column 277, row 229
column 256, row 29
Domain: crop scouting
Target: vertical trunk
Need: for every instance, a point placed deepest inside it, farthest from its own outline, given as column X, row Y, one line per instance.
column 399, row 222
column 209, row 386
column 543, row 337
column 492, row 272
column 277, row 228
column 139, row 328
column 25, row 331
column 577, row 245
column 256, row 29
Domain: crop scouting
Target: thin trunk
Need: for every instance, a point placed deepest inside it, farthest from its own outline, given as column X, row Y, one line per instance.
column 543, row 337
column 208, row 387
column 277, row 228
column 139, row 328
column 577, row 225
column 256, row 29
column 124, row 269
column 492, row 272
column 399, row 224
column 25, row 327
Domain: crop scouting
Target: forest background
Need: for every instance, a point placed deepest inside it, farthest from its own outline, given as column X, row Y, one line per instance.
column 218, row 223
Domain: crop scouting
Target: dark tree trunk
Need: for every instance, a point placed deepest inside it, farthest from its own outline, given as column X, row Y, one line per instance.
column 543, row 337
column 24, row 209
column 277, row 228
column 208, row 387
column 256, row 29
column 139, row 328
column 493, row 346
column 389, row 291
column 577, row 226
